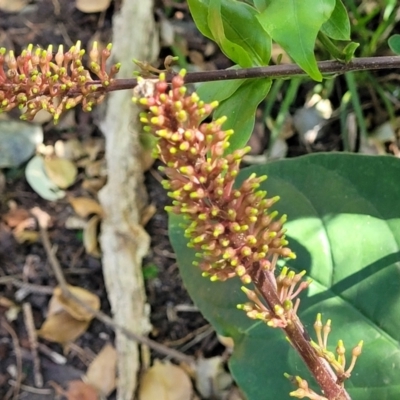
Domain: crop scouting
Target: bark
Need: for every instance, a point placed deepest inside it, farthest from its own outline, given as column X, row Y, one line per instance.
column 123, row 240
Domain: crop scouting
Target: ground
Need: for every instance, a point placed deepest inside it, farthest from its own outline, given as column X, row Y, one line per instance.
column 174, row 320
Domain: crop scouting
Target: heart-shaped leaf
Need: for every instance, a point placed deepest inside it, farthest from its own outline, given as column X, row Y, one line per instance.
column 344, row 225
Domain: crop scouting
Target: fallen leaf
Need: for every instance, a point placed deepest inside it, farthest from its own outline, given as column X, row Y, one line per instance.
column 96, row 168
column 90, row 237
column 22, row 236
column 93, row 185
column 165, row 381
column 71, row 149
column 94, row 146
column 92, row 6
column 101, row 373
column 227, row 341
column 62, row 328
column 15, row 216
column 75, row 222
column 72, row 307
column 40, row 182
column 84, row 206
column 61, row 171
column 211, row 378
column 13, row 5
column 18, row 140
column 78, row 390
column 43, row 218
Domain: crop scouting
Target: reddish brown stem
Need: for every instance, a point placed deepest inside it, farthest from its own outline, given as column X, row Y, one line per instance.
column 299, row 339
column 274, row 71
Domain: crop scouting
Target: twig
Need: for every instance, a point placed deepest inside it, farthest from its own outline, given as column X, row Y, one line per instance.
column 30, row 389
column 100, row 315
column 18, row 356
column 33, row 343
column 273, row 71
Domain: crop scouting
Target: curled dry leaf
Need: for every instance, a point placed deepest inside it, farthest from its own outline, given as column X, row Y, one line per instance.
column 71, row 149
column 73, row 308
column 83, row 206
column 165, row 381
column 66, row 319
column 23, row 236
column 15, row 216
column 211, row 378
column 62, row 328
column 90, row 235
column 92, row 6
column 93, row 185
column 78, row 390
column 61, row 171
column 96, row 168
column 101, row 373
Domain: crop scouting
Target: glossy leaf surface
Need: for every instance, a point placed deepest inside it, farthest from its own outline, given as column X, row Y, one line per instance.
column 234, row 27
column 294, row 24
column 344, row 224
column 338, row 25
column 238, row 102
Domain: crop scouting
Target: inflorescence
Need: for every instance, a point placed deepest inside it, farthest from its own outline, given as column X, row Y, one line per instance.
column 232, row 229
column 38, row 80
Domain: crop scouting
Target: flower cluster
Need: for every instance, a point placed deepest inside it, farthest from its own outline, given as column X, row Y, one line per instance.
column 341, row 373
column 232, row 228
column 37, row 79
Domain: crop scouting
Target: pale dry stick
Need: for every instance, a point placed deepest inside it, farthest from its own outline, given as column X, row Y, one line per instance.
column 18, row 356
column 172, row 353
column 33, row 344
column 30, row 389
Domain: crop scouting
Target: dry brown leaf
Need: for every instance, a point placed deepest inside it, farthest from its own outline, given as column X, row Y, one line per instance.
column 101, row 373
column 92, row 6
column 15, row 216
column 93, row 185
column 96, row 168
column 165, row 381
column 61, row 171
column 78, row 390
column 72, row 307
column 90, row 234
column 13, row 5
column 84, row 206
column 71, row 149
column 43, row 218
column 62, row 328
column 94, row 146
column 211, row 377
column 22, row 236
column 227, row 341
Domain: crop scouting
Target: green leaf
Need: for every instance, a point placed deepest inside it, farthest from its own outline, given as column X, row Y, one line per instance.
column 344, row 225
column 240, row 109
column 233, row 25
column 394, row 43
column 294, row 24
column 231, row 49
column 338, row 25
column 218, row 91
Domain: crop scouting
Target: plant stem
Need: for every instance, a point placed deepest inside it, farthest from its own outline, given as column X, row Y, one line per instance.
column 300, row 340
column 273, row 71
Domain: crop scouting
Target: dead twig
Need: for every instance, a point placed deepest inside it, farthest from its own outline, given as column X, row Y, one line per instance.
column 18, row 357
column 171, row 353
column 33, row 344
